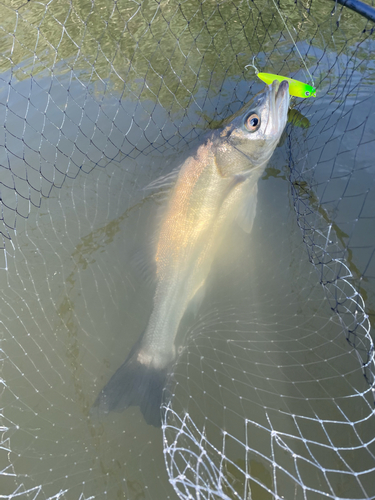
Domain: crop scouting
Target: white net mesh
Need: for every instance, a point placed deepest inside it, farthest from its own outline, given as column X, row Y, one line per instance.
column 272, row 393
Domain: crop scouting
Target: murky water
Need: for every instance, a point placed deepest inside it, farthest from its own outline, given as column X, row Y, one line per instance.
column 73, row 301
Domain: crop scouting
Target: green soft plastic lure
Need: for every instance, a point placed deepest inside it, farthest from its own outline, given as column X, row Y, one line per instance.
column 296, row 88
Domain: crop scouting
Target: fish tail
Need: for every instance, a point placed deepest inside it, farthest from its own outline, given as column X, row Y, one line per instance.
column 134, row 384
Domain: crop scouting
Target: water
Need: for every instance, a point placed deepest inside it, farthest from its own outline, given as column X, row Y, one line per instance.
column 73, row 302
column 65, row 322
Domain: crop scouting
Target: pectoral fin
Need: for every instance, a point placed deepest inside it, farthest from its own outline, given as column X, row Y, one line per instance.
column 247, row 210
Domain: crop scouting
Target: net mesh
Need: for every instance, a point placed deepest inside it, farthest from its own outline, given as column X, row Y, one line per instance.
column 272, row 394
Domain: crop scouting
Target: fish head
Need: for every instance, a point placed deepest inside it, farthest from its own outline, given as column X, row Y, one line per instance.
column 252, row 134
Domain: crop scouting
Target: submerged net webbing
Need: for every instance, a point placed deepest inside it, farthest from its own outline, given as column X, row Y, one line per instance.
column 272, row 394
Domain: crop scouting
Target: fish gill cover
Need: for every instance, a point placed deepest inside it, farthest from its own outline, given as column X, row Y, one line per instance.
column 272, row 392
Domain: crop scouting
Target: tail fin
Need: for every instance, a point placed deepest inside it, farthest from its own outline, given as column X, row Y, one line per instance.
column 134, row 384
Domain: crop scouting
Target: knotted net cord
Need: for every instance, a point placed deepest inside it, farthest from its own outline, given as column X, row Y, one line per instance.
column 272, row 394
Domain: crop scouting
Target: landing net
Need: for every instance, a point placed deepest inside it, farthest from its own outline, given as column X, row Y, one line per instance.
column 272, row 395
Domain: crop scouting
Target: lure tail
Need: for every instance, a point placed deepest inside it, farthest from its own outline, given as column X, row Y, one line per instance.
column 134, row 384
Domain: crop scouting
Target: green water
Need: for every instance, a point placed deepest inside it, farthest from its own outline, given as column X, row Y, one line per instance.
column 130, row 88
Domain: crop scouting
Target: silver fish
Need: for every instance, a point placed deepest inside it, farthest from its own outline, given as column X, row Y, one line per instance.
column 214, row 187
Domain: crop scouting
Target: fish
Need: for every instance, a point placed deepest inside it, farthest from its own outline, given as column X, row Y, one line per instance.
column 214, row 187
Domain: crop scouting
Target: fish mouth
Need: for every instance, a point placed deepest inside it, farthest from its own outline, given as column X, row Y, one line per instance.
column 279, row 104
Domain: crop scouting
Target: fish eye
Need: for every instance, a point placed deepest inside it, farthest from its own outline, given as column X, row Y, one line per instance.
column 252, row 122
column 307, row 93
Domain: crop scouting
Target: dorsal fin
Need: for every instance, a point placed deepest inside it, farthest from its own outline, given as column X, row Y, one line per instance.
column 165, row 182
